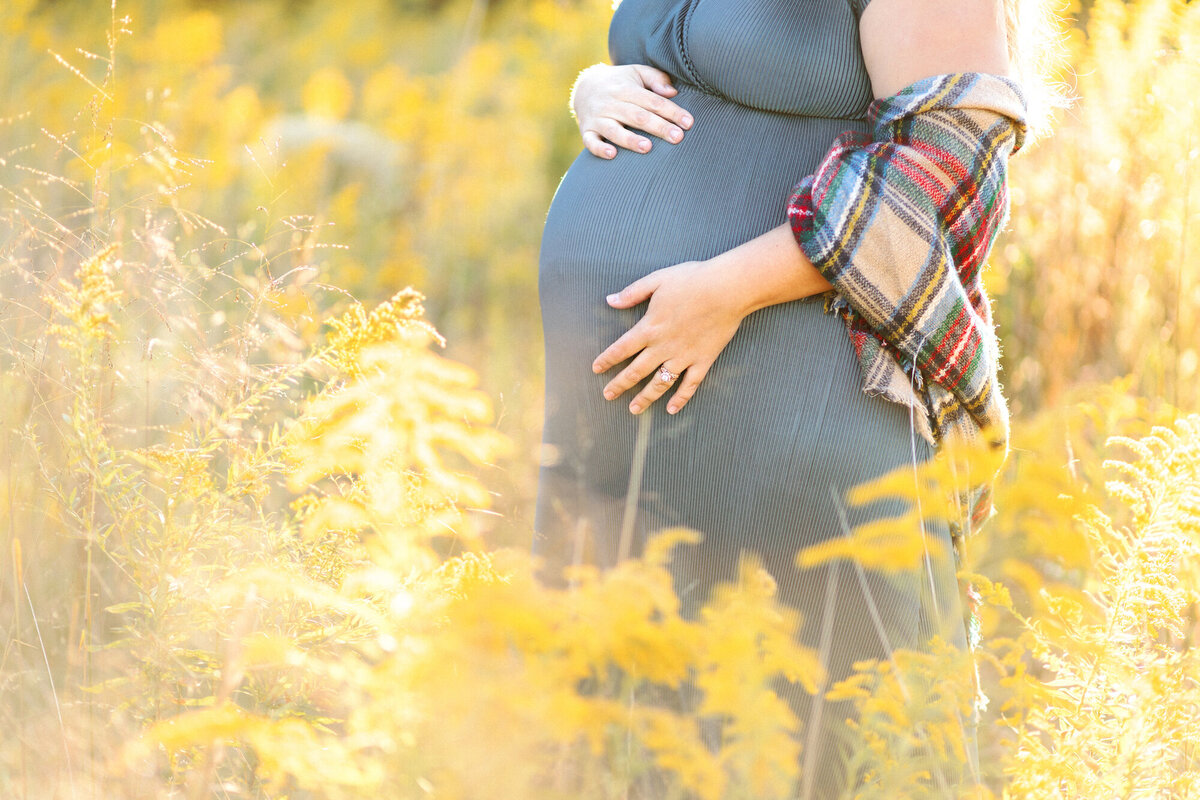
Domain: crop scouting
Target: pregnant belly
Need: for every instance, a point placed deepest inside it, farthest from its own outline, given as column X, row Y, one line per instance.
column 727, row 181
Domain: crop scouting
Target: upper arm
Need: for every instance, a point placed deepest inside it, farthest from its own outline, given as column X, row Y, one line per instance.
column 904, row 41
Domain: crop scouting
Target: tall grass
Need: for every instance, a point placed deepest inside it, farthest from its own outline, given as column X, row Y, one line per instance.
column 430, row 137
column 249, row 532
column 1099, row 269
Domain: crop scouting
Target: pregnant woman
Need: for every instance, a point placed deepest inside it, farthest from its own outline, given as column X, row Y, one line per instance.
column 697, row 297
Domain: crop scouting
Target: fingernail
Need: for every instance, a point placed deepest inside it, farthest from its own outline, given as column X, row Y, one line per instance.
column 597, row 368
column 636, row 408
column 674, row 134
column 643, row 145
column 609, row 394
column 609, row 152
column 612, row 298
column 672, row 409
column 687, row 121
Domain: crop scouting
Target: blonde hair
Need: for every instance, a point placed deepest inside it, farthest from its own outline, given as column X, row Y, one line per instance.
column 1037, row 49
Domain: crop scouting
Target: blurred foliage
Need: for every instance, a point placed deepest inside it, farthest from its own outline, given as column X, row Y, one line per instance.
column 251, row 519
column 425, row 138
column 430, row 138
column 1096, row 276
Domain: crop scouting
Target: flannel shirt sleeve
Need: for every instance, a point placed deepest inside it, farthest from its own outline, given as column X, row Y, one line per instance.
column 900, row 221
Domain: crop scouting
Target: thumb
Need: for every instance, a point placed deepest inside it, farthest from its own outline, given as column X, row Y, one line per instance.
column 637, row 292
column 656, row 80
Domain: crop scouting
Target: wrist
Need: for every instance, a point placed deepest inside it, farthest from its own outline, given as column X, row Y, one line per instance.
column 767, row 270
column 734, row 282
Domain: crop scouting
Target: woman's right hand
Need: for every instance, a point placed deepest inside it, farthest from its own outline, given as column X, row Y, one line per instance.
column 608, row 101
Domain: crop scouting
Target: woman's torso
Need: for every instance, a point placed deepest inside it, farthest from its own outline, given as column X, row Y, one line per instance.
column 780, row 428
column 770, row 83
column 786, row 56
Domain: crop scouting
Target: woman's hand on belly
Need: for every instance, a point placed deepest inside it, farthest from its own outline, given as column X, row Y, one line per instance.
column 607, row 101
column 687, row 324
column 695, row 309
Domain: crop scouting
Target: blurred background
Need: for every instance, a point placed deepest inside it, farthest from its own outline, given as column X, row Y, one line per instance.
column 425, row 140
column 429, row 138
column 262, row 164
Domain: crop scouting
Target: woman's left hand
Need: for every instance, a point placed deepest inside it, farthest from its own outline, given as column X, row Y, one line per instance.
column 694, row 311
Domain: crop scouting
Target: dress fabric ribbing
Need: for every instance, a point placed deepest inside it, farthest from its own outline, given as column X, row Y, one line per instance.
column 759, row 459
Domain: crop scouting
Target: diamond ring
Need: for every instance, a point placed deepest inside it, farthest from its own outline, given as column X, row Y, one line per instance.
column 666, row 376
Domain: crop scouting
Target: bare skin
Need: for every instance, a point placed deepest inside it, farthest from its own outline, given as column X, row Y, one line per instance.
column 608, row 101
column 695, row 308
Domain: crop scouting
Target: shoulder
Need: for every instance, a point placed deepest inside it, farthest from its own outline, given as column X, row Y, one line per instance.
column 904, row 41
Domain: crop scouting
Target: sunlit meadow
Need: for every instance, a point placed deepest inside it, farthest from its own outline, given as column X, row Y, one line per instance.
column 263, row 529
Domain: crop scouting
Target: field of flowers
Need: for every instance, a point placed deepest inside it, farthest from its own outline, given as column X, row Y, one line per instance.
column 263, row 529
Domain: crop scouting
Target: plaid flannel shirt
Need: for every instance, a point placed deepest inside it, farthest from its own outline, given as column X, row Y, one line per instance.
column 901, row 222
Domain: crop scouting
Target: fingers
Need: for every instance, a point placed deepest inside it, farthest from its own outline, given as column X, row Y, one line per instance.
column 655, row 80
column 652, row 114
column 688, row 384
column 622, row 349
column 621, row 126
column 657, row 386
column 637, row 292
column 688, row 379
column 597, row 146
column 646, row 113
column 614, row 131
column 648, row 360
column 626, row 379
column 667, row 110
column 637, row 337
column 624, row 106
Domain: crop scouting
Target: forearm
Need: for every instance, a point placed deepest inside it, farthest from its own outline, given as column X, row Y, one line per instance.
column 769, row 269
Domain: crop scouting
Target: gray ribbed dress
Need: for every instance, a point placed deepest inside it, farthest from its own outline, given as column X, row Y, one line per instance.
column 759, row 458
